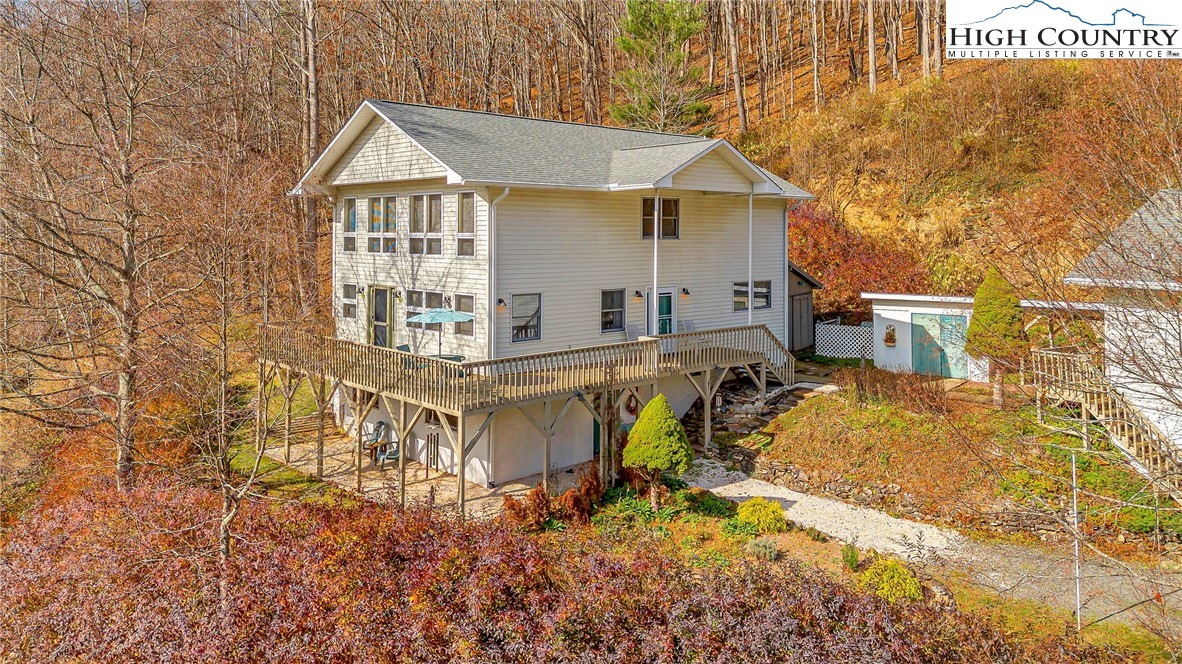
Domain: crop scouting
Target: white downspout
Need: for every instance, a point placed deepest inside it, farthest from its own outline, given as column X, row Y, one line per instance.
column 653, row 309
column 492, row 274
column 750, row 263
column 788, row 335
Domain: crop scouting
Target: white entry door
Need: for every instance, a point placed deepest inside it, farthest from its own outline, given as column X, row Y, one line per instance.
column 666, row 315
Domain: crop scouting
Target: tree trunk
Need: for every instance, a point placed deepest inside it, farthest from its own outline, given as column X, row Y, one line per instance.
column 872, row 61
column 654, row 490
column 736, row 73
column 310, row 234
column 999, row 388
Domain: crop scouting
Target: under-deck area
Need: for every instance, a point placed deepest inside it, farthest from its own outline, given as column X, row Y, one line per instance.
column 382, row 484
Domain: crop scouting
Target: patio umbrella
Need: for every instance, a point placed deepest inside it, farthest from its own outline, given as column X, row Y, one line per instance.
column 432, row 316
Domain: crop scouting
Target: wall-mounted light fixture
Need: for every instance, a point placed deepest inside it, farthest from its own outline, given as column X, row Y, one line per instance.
column 639, row 295
column 398, row 294
column 447, row 302
column 501, row 303
column 685, row 291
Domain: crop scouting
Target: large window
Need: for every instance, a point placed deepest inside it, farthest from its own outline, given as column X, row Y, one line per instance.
column 762, row 298
column 670, row 217
column 417, row 302
column 611, row 311
column 466, row 304
column 349, row 301
column 383, row 223
column 527, row 317
column 466, row 224
column 426, row 224
column 349, row 219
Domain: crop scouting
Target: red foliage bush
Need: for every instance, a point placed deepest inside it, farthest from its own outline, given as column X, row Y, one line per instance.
column 532, row 511
column 849, row 263
column 579, row 502
column 132, row 577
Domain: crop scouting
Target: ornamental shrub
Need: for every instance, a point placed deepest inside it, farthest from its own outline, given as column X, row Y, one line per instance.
column 995, row 330
column 849, row 557
column 657, row 444
column 891, row 580
column 767, row 516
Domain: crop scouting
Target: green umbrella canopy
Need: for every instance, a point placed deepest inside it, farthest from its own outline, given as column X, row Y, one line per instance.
column 441, row 316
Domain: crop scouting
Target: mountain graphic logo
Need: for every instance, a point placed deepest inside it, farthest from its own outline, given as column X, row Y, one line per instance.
column 1119, row 13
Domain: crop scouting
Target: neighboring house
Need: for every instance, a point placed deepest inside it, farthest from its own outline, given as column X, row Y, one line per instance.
column 543, row 231
column 1137, row 271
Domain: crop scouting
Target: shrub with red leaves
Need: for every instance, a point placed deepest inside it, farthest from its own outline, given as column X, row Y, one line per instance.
column 132, row 577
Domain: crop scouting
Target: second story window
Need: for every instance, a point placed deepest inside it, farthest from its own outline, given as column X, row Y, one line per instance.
column 466, row 224
column 349, row 220
column 349, row 301
column 670, row 217
column 527, row 317
column 762, row 298
column 426, row 224
column 383, row 223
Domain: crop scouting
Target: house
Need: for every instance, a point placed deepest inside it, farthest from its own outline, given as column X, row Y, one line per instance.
column 544, row 232
column 1137, row 273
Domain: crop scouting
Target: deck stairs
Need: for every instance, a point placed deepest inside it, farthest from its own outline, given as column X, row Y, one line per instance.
column 1070, row 376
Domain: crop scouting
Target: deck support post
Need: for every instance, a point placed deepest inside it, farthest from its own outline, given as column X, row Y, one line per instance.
column 289, row 388
column 360, row 412
column 763, row 381
column 549, row 434
column 710, row 384
column 462, row 461
column 260, row 410
column 402, row 452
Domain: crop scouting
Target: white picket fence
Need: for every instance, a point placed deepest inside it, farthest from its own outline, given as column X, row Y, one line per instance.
column 848, row 341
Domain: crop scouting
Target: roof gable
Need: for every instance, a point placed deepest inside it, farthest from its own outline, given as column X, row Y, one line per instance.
column 381, row 153
column 1144, row 252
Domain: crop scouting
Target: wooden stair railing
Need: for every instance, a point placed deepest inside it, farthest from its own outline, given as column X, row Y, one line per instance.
column 1074, row 377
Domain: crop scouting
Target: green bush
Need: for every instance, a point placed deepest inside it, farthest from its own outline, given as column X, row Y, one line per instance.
column 657, row 444
column 890, row 580
column 767, row 516
column 849, row 557
column 816, row 535
column 736, row 528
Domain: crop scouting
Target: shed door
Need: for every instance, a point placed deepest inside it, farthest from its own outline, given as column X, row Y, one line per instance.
column 937, row 345
column 802, row 321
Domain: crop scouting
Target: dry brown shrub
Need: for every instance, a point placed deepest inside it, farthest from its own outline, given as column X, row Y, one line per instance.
column 532, row 511
column 579, row 502
column 912, row 391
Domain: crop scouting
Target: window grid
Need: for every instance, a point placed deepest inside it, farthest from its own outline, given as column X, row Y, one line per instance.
column 670, row 218
column 762, row 297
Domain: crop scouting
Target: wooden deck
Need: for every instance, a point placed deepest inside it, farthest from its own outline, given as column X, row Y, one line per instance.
column 486, row 385
column 1066, row 374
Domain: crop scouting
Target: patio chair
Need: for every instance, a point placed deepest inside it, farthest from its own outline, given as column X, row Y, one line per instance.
column 387, row 452
column 633, row 332
column 686, row 326
column 374, row 440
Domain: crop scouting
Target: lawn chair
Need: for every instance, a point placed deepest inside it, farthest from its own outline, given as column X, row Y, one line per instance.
column 686, row 326
column 375, row 439
column 387, row 452
column 633, row 332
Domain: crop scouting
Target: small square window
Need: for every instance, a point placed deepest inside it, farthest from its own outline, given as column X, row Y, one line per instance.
column 465, row 246
column 389, row 245
column 350, row 243
column 433, row 300
column 349, row 310
column 375, row 245
column 416, row 245
column 349, row 291
column 670, row 217
column 434, row 246
column 414, row 298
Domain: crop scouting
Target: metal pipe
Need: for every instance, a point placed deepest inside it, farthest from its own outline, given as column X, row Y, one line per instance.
column 492, row 273
column 654, row 297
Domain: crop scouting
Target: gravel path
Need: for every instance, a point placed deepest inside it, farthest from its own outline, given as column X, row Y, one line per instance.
column 862, row 526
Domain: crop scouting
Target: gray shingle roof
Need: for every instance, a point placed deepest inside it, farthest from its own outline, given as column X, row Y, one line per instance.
column 487, row 147
column 1145, row 251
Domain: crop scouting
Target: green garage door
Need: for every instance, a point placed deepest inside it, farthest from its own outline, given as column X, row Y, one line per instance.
column 937, row 345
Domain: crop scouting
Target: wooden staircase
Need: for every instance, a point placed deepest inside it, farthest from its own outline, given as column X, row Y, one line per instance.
column 1074, row 377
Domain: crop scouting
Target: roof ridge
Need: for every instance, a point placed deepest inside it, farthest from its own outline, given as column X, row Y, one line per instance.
column 665, row 145
column 522, row 117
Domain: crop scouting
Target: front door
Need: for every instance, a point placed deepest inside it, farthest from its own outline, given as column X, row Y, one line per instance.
column 666, row 320
column 379, row 317
column 937, row 345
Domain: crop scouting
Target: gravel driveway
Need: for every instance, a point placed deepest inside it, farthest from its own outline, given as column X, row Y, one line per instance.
column 861, row 526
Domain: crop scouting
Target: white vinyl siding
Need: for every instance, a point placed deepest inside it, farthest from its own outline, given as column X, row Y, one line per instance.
column 382, row 154
column 712, row 172
column 571, row 246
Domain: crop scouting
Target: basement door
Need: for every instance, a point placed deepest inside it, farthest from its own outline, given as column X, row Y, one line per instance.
column 937, row 345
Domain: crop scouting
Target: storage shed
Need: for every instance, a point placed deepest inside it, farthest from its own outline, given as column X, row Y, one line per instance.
column 924, row 334
column 800, row 307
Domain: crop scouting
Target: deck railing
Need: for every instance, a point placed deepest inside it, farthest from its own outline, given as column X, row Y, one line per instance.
column 484, row 384
column 1071, row 375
